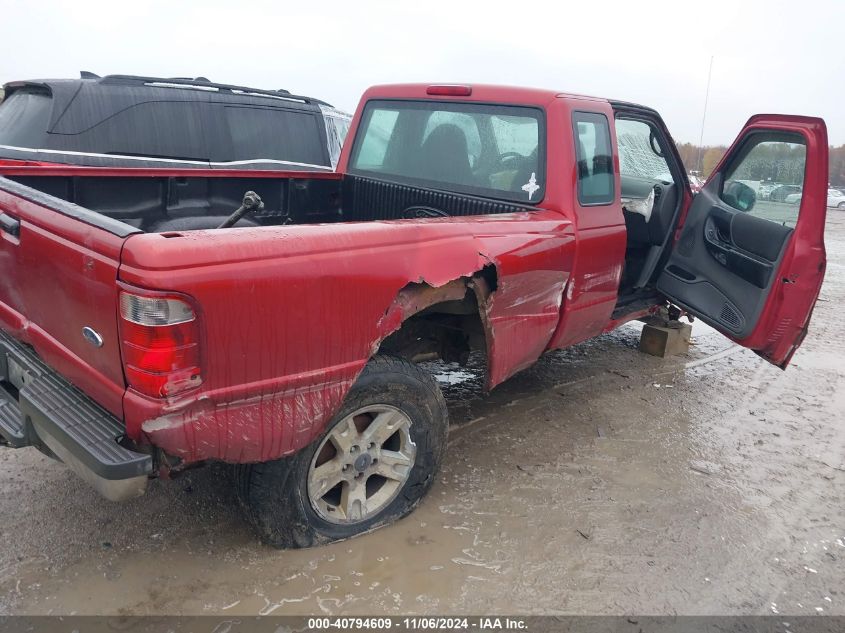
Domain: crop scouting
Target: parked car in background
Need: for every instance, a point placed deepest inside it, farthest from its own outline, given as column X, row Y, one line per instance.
column 835, row 199
column 129, row 121
column 764, row 192
column 780, row 193
column 695, row 183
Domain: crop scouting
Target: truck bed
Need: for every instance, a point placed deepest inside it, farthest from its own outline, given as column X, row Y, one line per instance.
column 163, row 200
column 290, row 310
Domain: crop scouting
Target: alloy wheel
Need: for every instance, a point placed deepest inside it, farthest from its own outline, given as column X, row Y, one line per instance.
column 361, row 465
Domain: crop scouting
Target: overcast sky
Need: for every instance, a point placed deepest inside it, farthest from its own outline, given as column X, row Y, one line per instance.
column 770, row 56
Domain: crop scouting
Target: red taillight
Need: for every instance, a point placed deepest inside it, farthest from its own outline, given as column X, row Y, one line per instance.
column 160, row 360
column 449, row 90
column 160, row 344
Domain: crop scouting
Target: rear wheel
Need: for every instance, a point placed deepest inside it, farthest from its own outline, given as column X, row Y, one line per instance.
column 373, row 464
column 841, row 206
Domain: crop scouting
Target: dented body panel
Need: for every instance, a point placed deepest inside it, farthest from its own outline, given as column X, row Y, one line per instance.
column 292, row 314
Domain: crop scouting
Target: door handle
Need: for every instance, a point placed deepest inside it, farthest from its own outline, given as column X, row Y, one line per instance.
column 10, row 225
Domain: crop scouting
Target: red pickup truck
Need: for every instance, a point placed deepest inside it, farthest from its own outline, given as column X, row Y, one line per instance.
column 140, row 338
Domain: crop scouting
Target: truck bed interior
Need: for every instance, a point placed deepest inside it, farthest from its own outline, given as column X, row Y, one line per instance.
column 164, row 204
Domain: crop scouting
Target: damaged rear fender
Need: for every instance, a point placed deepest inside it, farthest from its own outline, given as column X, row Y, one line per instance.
column 425, row 322
column 317, row 320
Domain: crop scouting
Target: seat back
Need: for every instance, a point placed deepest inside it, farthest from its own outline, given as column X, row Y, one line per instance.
column 444, row 155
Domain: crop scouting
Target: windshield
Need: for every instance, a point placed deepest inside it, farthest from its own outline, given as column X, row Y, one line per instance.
column 24, row 117
column 640, row 154
column 486, row 150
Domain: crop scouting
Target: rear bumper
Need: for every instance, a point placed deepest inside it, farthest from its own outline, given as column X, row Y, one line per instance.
column 40, row 408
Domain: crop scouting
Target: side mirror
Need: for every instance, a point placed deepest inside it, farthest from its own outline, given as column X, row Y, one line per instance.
column 739, row 195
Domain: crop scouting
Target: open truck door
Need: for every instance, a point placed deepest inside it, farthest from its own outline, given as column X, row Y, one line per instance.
column 752, row 267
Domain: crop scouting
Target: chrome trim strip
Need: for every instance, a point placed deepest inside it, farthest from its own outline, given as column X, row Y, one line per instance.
column 252, row 161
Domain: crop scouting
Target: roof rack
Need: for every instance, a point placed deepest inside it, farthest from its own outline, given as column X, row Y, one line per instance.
column 203, row 83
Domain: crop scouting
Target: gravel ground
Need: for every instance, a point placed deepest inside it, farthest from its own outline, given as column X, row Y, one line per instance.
column 600, row 481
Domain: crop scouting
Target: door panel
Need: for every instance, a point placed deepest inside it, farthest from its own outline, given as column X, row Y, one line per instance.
column 752, row 267
column 715, row 273
column 745, row 245
column 762, row 238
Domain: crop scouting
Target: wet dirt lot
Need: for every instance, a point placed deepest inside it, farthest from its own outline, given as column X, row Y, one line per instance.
column 599, row 481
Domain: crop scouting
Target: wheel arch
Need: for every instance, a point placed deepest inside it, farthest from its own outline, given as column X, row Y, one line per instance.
column 444, row 322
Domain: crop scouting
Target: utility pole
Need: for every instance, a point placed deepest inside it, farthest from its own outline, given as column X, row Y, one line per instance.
column 703, row 119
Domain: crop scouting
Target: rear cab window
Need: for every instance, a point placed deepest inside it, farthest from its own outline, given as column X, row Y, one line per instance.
column 594, row 156
column 496, row 151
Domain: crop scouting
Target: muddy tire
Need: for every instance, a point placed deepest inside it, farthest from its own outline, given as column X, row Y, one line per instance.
column 371, row 466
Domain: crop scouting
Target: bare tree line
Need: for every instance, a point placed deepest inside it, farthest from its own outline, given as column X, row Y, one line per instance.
column 705, row 158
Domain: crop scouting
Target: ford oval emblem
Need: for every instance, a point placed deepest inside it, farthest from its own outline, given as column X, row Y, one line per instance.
column 92, row 336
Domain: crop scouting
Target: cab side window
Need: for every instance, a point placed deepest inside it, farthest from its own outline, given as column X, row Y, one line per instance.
column 594, row 157
column 766, row 179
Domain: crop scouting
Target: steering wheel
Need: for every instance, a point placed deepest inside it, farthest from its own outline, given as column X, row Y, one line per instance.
column 510, row 156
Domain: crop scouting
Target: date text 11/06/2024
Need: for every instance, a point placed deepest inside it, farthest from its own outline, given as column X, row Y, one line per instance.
column 418, row 623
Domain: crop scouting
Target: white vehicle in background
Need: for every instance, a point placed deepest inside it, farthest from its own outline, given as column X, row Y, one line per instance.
column 754, row 185
column 695, row 182
column 781, row 192
column 835, row 199
column 765, row 190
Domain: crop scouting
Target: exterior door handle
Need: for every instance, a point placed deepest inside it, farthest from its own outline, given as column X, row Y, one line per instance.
column 10, row 225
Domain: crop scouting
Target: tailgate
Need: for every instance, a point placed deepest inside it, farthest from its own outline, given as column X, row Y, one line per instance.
column 58, row 287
